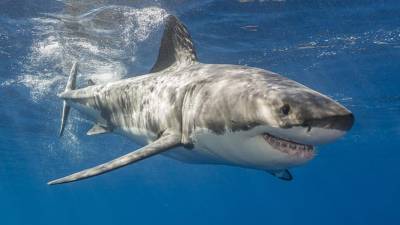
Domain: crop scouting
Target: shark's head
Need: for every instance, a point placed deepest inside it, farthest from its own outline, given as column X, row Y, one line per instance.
column 299, row 114
column 292, row 119
column 275, row 122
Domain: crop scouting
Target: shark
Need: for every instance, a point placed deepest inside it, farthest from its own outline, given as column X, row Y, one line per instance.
column 207, row 113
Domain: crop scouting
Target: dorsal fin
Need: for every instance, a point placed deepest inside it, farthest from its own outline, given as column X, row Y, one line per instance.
column 176, row 46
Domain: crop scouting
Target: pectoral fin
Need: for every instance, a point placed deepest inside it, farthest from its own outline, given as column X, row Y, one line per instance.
column 282, row 174
column 97, row 129
column 162, row 144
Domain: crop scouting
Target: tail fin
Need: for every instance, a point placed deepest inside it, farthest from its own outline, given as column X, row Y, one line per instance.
column 70, row 86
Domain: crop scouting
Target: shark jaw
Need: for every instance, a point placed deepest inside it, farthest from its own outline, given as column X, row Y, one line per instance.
column 290, row 148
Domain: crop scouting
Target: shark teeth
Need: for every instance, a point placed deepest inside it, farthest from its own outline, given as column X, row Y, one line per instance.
column 289, row 147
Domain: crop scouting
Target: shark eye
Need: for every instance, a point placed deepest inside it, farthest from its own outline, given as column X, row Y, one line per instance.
column 285, row 109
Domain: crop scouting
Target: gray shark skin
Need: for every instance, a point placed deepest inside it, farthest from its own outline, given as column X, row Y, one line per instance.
column 208, row 113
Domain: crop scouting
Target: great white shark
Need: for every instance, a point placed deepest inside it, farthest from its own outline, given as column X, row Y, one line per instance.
column 207, row 113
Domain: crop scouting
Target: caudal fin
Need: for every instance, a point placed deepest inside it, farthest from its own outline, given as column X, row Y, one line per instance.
column 71, row 84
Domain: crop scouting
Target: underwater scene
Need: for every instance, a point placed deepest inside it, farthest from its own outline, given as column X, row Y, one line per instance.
column 220, row 112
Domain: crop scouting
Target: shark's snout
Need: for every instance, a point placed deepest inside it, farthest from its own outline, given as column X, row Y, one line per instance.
column 339, row 122
column 320, row 129
column 324, row 130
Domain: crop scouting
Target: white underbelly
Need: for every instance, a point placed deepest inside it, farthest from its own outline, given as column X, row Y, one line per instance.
column 237, row 149
column 233, row 149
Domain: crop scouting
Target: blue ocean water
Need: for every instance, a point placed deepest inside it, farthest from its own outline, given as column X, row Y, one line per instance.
column 349, row 50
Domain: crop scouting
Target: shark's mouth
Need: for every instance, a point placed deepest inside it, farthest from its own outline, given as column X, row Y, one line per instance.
column 289, row 147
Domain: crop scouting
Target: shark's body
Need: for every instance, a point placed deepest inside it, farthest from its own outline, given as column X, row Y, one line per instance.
column 208, row 113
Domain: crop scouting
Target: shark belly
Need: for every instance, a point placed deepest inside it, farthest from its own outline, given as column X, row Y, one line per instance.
column 230, row 148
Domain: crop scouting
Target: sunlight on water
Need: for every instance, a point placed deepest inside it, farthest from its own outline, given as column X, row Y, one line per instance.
column 101, row 44
column 103, row 40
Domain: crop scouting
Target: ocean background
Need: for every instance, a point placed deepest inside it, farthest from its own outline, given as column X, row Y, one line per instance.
column 349, row 50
